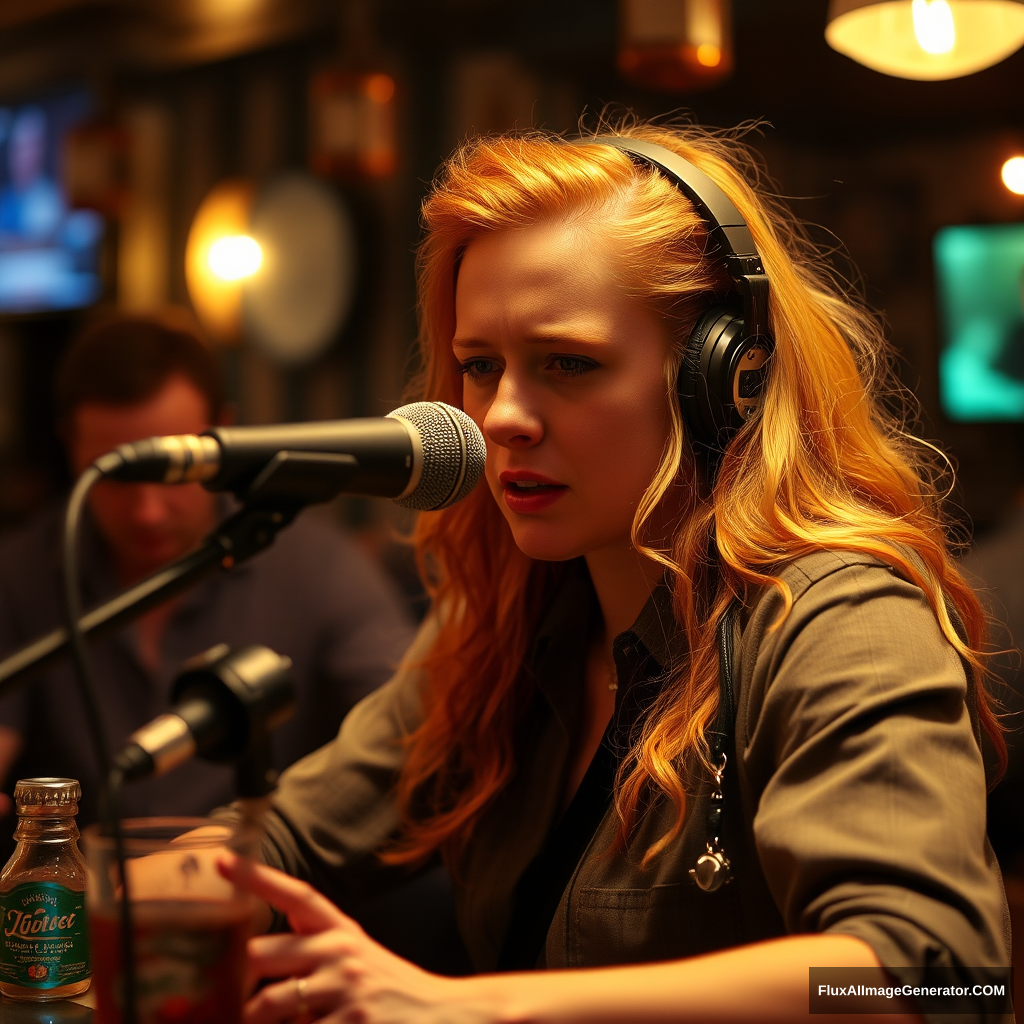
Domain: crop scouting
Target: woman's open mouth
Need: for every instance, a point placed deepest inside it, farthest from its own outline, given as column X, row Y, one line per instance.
column 526, row 492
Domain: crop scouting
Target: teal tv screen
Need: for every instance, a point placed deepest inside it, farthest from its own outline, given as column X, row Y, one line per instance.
column 980, row 284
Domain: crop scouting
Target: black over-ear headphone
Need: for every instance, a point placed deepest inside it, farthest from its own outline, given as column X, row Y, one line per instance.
column 725, row 363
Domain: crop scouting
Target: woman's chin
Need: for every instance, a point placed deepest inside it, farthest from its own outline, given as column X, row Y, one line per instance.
column 547, row 545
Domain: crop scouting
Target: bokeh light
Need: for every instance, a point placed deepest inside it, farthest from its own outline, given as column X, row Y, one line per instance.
column 709, row 55
column 235, row 257
column 1013, row 174
column 933, row 26
column 214, row 282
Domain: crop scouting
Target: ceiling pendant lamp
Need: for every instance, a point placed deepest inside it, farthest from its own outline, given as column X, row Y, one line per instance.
column 926, row 39
column 675, row 44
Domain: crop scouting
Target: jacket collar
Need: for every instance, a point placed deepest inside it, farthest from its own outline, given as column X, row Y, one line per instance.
column 566, row 629
column 645, row 654
column 657, row 628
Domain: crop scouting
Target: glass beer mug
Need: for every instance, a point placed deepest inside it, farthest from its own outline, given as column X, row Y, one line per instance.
column 189, row 924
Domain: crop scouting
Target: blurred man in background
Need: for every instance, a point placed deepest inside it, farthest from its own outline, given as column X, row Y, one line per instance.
column 313, row 595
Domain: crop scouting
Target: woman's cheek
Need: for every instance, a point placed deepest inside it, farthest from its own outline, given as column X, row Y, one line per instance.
column 627, row 451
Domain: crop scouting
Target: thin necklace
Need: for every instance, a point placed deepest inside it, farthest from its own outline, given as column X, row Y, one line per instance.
column 613, row 675
column 607, row 662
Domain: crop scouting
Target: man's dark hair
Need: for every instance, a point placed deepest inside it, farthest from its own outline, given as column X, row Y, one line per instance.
column 125, row 360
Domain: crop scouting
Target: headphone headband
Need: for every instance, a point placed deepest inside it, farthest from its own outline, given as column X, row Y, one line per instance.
column 725, row 362
column 725, row 223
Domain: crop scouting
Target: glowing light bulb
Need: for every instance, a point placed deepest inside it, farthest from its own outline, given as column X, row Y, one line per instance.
column 234, row 257
column 1013, row 174
column 933, row 26
column 709, row 55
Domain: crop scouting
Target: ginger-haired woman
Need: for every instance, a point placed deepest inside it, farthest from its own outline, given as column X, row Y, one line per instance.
column 699, row 704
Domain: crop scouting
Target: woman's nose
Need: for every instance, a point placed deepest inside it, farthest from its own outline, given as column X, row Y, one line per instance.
column 512, row 420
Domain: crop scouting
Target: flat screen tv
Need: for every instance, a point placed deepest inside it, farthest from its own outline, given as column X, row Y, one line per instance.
column 980, row 285
column 49, row 253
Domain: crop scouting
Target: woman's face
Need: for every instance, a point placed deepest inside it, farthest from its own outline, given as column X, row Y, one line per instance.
column 564, row 372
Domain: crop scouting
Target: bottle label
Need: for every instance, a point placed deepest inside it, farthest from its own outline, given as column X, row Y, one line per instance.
column 45, row 938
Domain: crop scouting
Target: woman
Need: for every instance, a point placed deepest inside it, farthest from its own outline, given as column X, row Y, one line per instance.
column 557, row 732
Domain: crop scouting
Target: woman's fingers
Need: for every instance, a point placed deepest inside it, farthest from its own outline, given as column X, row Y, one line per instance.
column 307, row 910
column 336, row 970
column 305, row 998
column 274, row 956
column 285, row 1000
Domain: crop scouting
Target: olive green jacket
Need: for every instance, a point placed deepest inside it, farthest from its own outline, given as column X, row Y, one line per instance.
column 854, row 790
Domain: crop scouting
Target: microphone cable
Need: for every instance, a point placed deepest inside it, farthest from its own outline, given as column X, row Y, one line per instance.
column 454, row 452
column 111, row 777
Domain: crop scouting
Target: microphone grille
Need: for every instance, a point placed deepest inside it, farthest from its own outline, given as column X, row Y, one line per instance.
column 454, row 454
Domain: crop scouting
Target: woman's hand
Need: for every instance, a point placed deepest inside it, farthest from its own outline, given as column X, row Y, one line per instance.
column 335, row 973
column 333, row 970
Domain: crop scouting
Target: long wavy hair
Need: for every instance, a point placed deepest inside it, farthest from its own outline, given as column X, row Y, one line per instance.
column 826, row 465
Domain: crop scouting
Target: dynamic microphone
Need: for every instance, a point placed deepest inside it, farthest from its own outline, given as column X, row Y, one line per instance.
column 223, row 702
column 425, row 456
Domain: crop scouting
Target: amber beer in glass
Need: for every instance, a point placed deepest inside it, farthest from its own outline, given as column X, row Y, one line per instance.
column 189, row 925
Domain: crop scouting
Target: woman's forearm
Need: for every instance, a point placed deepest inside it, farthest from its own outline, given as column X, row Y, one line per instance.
column 765, row 982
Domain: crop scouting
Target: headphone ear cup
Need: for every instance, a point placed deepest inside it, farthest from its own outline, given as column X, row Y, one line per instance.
column 704, row 392
column 721, row 377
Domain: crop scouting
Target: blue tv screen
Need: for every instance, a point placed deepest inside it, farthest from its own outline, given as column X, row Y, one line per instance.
column 980, row 283
column 49, row 253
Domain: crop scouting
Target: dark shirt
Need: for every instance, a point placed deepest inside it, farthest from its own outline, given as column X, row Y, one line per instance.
column 313, row 596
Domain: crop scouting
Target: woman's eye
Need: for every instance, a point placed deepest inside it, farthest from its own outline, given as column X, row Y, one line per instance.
column 477, row 369
column 572, row 366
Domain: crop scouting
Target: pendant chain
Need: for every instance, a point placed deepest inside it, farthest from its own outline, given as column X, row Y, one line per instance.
column 613, row 675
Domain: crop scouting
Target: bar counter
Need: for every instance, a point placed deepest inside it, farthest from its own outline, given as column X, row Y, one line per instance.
column 60, row 1011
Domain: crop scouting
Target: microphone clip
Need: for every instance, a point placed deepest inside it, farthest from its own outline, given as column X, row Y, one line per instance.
column 292, row 480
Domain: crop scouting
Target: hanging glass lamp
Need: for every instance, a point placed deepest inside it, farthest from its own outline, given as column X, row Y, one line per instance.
column 675, row 44
column 926, row 39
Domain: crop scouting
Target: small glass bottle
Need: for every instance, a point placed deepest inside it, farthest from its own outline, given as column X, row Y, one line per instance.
column 44, row 939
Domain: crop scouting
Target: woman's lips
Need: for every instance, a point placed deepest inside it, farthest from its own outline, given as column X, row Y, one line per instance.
column 527, row 493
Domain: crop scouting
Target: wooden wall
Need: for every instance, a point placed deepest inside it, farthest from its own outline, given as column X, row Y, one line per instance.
column 877, row 163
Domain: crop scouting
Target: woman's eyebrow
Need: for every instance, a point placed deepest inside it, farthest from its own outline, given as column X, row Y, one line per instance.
column 539, row 338
column 564, row 338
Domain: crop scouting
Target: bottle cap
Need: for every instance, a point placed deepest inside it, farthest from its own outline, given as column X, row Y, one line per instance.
column 47, row 796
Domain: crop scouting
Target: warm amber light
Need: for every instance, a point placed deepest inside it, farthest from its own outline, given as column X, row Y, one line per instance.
column 234, row 257
column 214, row 256
column 933, row 26
column 926, row 40
column 1013, row 174
column 675, row 44
column 708, row 55
column 379, row 88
